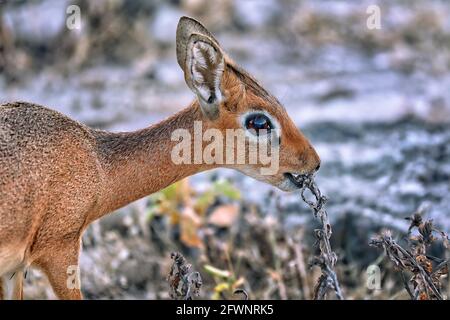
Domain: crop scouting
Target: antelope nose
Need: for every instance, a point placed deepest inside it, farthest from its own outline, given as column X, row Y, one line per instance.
column 318, row 167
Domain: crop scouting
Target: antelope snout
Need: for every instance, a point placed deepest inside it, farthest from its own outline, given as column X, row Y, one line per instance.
column 312, row 160
column 317, row 167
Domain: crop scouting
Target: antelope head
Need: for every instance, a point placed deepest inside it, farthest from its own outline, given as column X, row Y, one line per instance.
column 232, row 101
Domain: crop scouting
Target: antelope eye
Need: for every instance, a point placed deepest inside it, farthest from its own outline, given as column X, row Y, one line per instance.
column 257, row 122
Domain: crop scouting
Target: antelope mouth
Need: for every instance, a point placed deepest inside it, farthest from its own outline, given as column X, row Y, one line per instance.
column 296, row 179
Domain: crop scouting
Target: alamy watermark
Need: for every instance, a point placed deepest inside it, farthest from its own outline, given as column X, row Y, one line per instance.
column 374, row 19
column 73, row 21
column 373, row 281
column 235, row 147
column 73, row 277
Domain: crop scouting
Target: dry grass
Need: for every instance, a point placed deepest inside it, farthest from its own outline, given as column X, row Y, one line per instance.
column 427, row 272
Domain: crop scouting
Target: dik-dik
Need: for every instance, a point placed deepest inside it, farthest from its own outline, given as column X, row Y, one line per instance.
column 57, row 175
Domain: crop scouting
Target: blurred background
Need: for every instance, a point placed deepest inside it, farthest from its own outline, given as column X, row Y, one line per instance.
column 374, row 103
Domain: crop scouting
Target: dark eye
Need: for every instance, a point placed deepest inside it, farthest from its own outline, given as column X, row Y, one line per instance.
column 257, row 122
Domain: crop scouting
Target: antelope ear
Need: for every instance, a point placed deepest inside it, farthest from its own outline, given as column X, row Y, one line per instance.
column 186, row 27
column 203, row 63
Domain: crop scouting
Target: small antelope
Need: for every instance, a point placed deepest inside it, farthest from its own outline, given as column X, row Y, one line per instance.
column 57, row 175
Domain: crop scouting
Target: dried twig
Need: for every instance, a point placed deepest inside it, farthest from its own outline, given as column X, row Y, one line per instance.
column 405, row 260
column 327, row 259
column 183, row 283
column 425, row 281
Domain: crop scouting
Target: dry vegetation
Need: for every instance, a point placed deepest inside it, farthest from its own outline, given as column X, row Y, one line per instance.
column 428, row 272
column 183, row 283
column 327, row 259
column 292, row 279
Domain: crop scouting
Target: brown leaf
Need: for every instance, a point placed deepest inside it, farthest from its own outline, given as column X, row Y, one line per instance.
column 189, row 224
column 224, row 216
column 425, row 263
column 423, row 296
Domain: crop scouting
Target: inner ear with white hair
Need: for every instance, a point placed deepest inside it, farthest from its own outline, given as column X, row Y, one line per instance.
column 203, row 63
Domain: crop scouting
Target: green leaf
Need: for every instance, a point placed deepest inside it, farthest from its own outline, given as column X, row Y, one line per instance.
column 217, row 272
column 170, row 192
column 225, row 188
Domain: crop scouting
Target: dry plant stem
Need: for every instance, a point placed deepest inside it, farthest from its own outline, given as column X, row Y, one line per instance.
column 448, row 284
column 426, row 278
column 301, row 266
column 405, row 260
column 183, row 283
column 425, row 275
column 405, row 283
column 277, row 264
column 447, row 264
column 327, row 258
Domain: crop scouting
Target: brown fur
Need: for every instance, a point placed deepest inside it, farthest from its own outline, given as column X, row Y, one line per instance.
column 57, row 175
